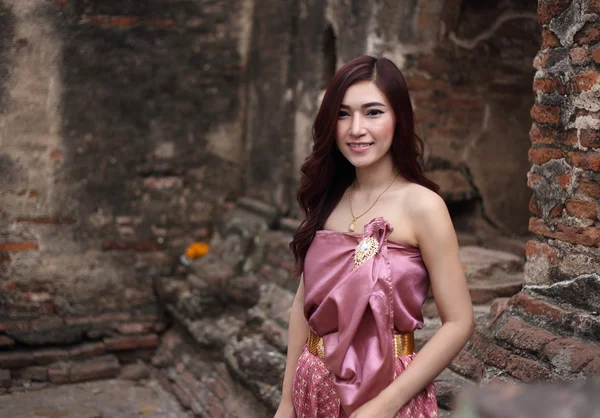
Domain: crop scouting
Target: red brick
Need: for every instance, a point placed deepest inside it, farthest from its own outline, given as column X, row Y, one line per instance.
column 585, row 160
column 56, row 156
column 584, row 82
column 61, row 3
column 18, row 246
column 497, row 308
column 534, row 248
column 131, row 246
column 589, row 34
column 147, row 341
column 50, row 355
column 589, row 188
column 549, row 9
column 522, row 335
column 495, row 356
column 534, row 207
column 15, row 359
column 575, row 235
column 543, row 155
column 549, row 85
column 549, row 39
column 58, row 373
column 546, row 114
column 5, row 258
column 590, row 139
column 538, row 309
column 526, row 370
column 120, row 343
column 468, row 365
column 581, row 208
column 96, row 368
column 592, row 368
column 557, row 210
column 596, row 54
column 131, row 342
column 87, row 350
column 579, row 56
column 105, row 20
column 564, row 180
column 570, row 354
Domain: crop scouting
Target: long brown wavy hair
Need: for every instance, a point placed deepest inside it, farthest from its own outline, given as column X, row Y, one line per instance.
column 326, row 173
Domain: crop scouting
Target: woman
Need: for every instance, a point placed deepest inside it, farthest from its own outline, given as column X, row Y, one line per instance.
column 375, row 238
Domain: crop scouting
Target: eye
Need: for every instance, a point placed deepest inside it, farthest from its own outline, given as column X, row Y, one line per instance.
column 374, row 112
column 343, row 113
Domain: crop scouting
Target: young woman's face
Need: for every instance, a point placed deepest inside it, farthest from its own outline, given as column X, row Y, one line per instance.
column 365, row 126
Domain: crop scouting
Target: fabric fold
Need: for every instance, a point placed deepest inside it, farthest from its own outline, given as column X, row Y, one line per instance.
column 356, row 319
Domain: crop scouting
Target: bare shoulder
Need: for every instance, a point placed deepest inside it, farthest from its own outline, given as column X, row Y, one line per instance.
column 423, row 203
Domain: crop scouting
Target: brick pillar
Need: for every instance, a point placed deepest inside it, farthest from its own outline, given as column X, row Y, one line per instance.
column 551, row 329
column 564, row 257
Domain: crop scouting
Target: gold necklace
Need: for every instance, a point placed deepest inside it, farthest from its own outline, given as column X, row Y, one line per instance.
column 352, row 225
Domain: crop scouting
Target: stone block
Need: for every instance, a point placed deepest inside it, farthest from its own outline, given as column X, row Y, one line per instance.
column 524, row 336
column 468, row 365
column 570, row 355
column 50, row 355
column 526, row 370
column 35, row 373
column 131, row 342
column 59, row 372
column 87, row 350
column 16, row 359
column 96, row 368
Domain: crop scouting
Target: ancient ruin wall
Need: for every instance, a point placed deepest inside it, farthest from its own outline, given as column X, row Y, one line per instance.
column 120, row 139
column 551, row 330
column 468, row 67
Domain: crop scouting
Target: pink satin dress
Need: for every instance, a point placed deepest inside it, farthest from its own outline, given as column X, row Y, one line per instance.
column 356, row 310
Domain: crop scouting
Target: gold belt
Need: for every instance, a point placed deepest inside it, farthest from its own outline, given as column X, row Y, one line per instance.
column 404, row 344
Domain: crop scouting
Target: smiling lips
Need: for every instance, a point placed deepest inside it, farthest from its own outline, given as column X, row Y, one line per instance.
column 360, row 146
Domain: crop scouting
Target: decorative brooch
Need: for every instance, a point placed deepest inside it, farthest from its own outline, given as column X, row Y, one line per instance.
column 365, row 249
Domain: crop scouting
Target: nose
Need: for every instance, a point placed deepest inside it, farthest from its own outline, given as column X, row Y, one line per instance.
column 357, row 128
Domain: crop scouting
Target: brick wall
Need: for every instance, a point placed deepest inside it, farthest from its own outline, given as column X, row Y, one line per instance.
column 120, row 139
column 551, row 330
column 565, row 147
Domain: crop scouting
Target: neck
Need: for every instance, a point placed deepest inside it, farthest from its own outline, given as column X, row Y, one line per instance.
column 375, row 177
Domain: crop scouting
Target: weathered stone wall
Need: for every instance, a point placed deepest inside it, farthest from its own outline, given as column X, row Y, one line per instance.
column 120, row 139
column 468, row 66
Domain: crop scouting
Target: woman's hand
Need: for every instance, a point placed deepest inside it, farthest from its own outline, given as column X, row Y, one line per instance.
column 376, row 407
column 285, row 410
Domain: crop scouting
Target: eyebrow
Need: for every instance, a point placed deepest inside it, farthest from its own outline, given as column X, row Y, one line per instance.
column 370, row 104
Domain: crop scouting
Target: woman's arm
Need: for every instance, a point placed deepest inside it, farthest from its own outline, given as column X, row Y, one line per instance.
column 439, row 249
column 297, row 333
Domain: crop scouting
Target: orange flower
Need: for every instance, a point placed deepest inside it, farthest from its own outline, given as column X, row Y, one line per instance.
column 197, row 249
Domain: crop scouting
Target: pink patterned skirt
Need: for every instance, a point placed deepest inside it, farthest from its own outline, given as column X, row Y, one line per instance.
column 314, row 396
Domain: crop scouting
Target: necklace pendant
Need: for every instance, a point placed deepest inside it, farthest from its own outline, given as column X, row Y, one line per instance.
column 352, row 226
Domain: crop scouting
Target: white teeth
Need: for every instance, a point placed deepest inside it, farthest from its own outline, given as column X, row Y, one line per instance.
column 359, row 145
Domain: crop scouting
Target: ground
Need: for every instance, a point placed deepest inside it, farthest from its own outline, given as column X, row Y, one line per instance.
column 99, row 399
